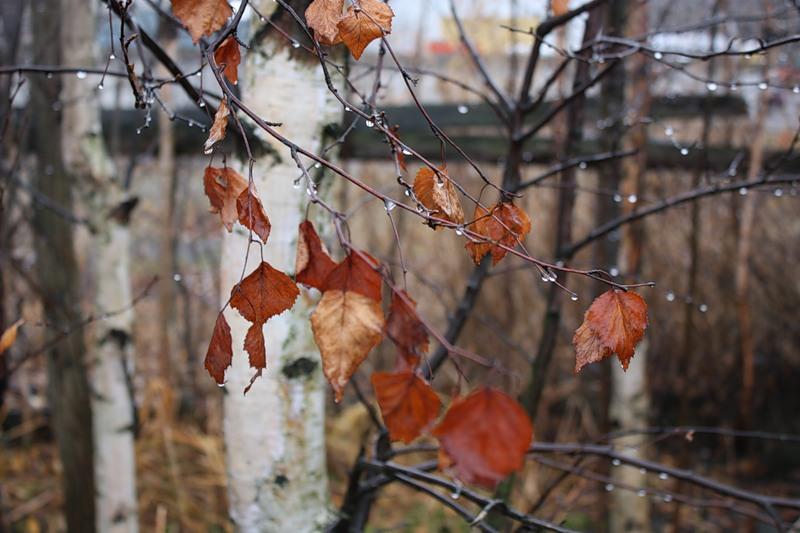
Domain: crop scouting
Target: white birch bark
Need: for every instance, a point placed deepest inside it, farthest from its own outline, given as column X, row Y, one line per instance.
column 274, row 436
column 111, row 357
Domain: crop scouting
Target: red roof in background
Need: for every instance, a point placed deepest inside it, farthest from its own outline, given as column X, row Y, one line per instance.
column 442, row 48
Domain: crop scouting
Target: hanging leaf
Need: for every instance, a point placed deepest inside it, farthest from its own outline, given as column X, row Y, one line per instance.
column 346, row 326
column 406, row 330
column 219, row 127
column 438, row 195
column 220, row 350
column 312, row 263
column 354, row 274
column 408, row 404
column 252, row 215
column 202, row 17
column 506, row 224
column 223, row 187
column 359, row 27
column 485, row 436
column 228, row 57
column 9, row 336
column 323, row 17
column 266, row 292
column 614, row 323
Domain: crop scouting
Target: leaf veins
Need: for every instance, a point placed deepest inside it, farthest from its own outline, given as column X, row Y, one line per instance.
column 408, row 404
column 202, row 17
column 359, row 27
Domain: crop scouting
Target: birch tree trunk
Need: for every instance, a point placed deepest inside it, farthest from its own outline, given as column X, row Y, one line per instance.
column 111, row 348
column 274, row 436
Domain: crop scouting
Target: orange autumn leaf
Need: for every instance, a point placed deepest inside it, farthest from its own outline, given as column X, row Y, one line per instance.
column 408, row 404
column 323, row 17
column 264, row 293
column 312, row 262
column 614, row 323
column 359, row 27
column 219, row 127
column 10, row 335
column 485, row 436
column 228, row 57
column 506, row 225
column 355, row 274
column 252, row 215
column 220, row 350
column 223, row 187
column 438, row 195
column 202, row 17
column 405, row 329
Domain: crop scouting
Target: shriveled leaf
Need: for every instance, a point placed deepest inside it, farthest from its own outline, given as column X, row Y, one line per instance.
column 9, row 336
column 228, row 57
column 219, row 127
column 252, row 215
column 312, row 263
column 405, row 329
column 323, row 17
column 354, row 274
column 358, row 28
column 266, row 292
column 439, row 195
column 202, row 17
column 220, row 350
column 346, row 326
column 408, row 404
column 255, row 346
column 614, row 323
column 485, row 436
column 223, row 187
column 505, row 224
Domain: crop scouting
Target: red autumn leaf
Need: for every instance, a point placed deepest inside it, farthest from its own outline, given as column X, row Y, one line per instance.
column 228, row 57
column 354, row 274
column 266, row 292
column 359, row 27
column 202, row 17
column 438, row 195
column 405, row 329
column 220, row 350
column 408, row 404
column 485, row 436
column 252, row 215
column 614, row 323
column 506, row 224
column 219, row 127
column 312, row 263
column 223, row 187
column 323, row 17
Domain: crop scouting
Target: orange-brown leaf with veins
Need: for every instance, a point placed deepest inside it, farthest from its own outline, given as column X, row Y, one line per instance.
column 202, row 17
column 485, row 436
column 219, row 127
column 408, row 404
column 312, row 262
column 405, row 329
column 505, row 224
column 438, row 195
column 355, row 274
column 223, row 187
column 323, row 17
column 227, row 57
column 614, row 323
column 359, row 27
column 252, row 215
column 220, row 350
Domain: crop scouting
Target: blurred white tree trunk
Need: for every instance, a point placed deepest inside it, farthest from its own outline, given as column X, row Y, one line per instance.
column 111, row 350
column 274, row 436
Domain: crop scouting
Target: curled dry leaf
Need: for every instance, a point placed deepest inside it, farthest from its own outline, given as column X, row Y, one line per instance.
column 266, row 292
column 408, row 404
column 223, row 187
column 346, row 326
column 438, row 195
column 312, row 262
column 405, row 329
column 228, row 57
column 219, row 127
column 202, row 17
column 252, row 215
column 220, row 350
column 323, row 17
column 359, row 27
column 614, row 323
column 10, row 335
column 505, row 224
column 484, row 437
